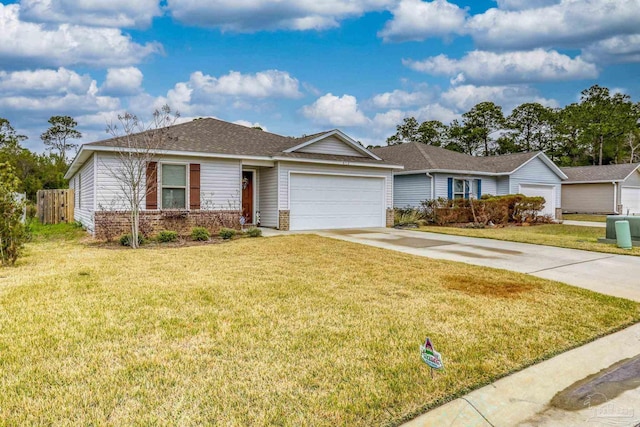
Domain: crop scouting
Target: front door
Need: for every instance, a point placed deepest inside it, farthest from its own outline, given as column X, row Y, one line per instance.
column 247, row 196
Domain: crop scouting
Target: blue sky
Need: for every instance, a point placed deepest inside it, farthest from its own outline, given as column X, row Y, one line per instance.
column 300, row 66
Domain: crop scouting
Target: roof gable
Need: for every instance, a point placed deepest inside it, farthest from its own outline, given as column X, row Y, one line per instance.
column 334, row 143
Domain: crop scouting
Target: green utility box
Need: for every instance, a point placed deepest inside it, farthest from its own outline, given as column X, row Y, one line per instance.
column 634, row 227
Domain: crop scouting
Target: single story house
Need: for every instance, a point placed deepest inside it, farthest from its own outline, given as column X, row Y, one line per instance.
column 602, row 189
column 321, row 181
column 432, row 172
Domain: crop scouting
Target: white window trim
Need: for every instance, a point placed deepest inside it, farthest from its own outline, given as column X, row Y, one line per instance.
column 453, row 189
column 187, row 205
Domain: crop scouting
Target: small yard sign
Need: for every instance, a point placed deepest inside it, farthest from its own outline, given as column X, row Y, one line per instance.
column 430, row 356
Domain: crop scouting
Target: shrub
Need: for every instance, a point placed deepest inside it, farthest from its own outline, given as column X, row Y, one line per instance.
column 254, row 232
column 200, row 234
column 166, row 236
column 13, row 233
column 227, row 233
column 408, row 216
column 126, row 239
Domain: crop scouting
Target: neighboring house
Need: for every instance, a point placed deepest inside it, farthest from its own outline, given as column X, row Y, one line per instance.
column 321, row 181
column 432, row 172
column 602, row 189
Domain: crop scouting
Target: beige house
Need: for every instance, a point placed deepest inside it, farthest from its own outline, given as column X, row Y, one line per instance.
column 610, row 189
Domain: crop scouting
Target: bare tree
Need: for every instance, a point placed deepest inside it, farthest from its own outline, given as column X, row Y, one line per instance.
column 137, row 144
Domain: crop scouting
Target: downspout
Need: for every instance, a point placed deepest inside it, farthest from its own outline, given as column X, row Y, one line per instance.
column 615, row 198
column 433, row 185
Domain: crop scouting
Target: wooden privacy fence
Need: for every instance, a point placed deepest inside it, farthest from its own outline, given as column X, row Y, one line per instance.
column 55, row 206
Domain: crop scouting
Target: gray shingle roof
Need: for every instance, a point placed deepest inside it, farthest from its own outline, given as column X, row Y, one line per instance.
column 417, row 156
column 219, row 137
column 599, row 173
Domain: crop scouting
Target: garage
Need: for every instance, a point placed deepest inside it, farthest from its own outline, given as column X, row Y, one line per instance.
column 630, row 200
column 539, row 190
column 319, row 201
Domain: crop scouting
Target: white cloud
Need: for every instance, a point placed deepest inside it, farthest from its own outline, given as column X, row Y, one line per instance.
column 418, row 20
column 43, row 82
column 400, row 98
column 510, row 67
column 463, row 98
column 23, row 43
column 251, row 124
column 524, row 4
column 254, row 15
column 122, row 82
column 263, row 84
column 622, row 49
column 112, row 13
column 336, row 111
column 568, row 23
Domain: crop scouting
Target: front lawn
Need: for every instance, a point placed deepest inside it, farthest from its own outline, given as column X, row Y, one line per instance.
column 293, row 330
column 561, row 235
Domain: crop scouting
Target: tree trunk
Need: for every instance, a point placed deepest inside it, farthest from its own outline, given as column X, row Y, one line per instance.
column 601, row 147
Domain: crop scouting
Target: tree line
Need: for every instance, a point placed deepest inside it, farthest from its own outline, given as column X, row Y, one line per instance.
column 39, row 171
column 602, row 128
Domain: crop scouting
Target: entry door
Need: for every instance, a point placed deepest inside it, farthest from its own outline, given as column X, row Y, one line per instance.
column 247, row 196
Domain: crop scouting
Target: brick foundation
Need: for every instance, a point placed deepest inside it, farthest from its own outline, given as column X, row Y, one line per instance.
column 113, row 224
column 390, row 217
column 283, row 220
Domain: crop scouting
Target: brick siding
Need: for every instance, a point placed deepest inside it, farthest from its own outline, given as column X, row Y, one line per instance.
column 113, row 224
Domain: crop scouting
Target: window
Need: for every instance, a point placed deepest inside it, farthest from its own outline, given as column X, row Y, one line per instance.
column 461, row 188
column 174, row 186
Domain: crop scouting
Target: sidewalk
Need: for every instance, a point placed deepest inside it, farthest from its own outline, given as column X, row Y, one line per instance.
column 586, row 223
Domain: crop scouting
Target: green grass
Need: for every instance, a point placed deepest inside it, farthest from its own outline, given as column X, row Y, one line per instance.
column 292, row 330
column 585, row 217
column 564, row 236
column 62, row 231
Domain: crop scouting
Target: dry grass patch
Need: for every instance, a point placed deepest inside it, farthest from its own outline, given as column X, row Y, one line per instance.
column 563, row 236
column 294, row 330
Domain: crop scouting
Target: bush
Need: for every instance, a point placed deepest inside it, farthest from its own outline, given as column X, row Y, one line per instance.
column 200, row 234
column 408, row 216
column 13, row 233
column 126, row 240
column 516, row 208
column 254, row 232
column 227, row 233
column 166, row 236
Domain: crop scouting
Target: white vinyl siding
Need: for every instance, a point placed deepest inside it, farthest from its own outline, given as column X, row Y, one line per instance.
column 633, row 180
column 410, row 190
column 442, row 184
column 502, row 186
column 83, row 186
column 286, row 167
column 268, row 197
column 219, row 182
column 536, row 172
column 331, row 145
column 588, row 198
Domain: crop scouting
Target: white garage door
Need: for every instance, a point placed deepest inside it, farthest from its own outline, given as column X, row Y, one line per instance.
column 630, row 200
column 546, row 191
column 335, row 201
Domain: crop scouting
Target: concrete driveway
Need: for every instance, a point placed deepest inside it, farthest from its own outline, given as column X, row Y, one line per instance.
column 617, row 275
